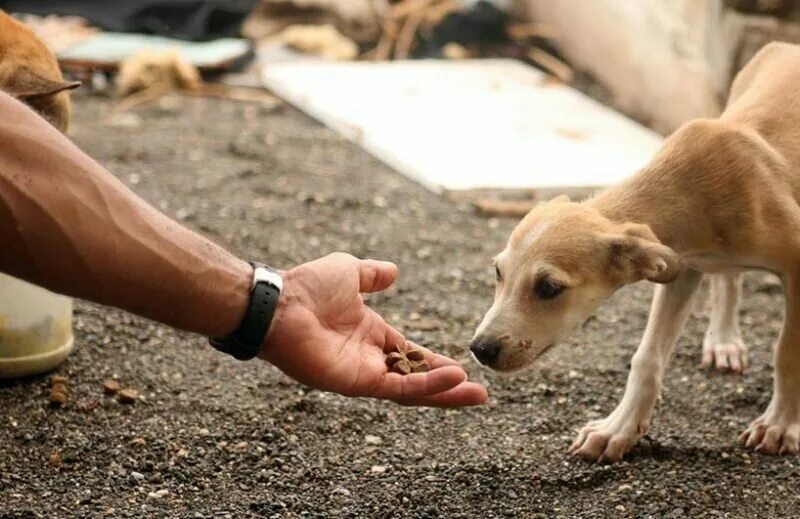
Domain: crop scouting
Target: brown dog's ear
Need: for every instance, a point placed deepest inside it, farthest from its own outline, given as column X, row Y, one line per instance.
column 637, row 254
column 28, row 84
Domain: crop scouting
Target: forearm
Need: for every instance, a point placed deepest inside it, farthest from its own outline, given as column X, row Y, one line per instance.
column 68, row 225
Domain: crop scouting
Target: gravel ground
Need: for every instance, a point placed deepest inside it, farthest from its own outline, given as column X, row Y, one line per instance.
column 211, row 437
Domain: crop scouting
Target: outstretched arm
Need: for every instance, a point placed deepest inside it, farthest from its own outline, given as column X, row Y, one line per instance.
column 70, row 226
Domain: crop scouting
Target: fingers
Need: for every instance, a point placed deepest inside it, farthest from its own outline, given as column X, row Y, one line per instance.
column 375, row 276
column 463, row 395
column 394, row 386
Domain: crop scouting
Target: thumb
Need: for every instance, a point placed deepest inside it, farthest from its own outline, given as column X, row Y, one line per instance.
column 375, row 276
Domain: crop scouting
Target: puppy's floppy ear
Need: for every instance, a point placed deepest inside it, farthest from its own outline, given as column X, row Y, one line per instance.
column 637, row 254
column 28, row 84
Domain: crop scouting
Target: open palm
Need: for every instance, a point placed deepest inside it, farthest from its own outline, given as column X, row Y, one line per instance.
column 323, row 335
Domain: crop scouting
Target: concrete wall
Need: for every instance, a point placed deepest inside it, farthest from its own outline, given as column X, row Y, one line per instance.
column 666, row 61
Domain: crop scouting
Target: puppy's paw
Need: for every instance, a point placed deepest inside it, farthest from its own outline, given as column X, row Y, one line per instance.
column 728, row 357
column 607, row 440
column 772, row 433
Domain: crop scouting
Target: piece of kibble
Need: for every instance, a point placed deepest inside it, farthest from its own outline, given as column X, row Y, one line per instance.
column 55, row 460
column 127, row 396
column 59, row 388
column 58, row 398
column 406, row 360
column 111, row 387
column 415, row 355
column 58, row 380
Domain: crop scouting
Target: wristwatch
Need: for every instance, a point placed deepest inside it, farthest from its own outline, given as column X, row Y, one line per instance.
column 246, row 341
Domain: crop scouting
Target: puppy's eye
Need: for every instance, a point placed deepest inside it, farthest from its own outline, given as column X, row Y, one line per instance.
column 497, row 275
column 547, row 289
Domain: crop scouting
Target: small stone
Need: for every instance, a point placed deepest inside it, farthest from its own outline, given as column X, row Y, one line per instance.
column 624, row 488
column 138, row 476
column 111, row 387
column 158, row 494
column 87, row 405
column 55, row 460
column 619, row 508
column 379, row 469
column 239, row 447
column 371, row 439
column 342, row 491
column 127, row 396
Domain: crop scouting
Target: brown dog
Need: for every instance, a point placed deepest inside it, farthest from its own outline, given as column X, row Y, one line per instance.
column 722, row 195
column 29, row 72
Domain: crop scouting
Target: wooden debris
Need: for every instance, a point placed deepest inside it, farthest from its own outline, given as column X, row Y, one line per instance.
column 525, row 31
column 515, row 208
column 551, row 64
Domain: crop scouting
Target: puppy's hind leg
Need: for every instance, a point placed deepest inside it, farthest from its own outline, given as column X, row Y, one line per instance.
column 722, row 346
column 777, row 431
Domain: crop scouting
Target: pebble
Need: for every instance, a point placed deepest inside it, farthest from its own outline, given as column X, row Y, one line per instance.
column 138, row 476
column 86, row 405
column 371, row 439
column 379, row 469
column 158, row 494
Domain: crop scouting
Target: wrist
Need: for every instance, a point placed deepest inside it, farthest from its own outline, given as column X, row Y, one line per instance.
column 278, row 324
column 234, row 286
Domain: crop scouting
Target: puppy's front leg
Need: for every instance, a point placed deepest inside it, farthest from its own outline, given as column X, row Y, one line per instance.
column 610, row 438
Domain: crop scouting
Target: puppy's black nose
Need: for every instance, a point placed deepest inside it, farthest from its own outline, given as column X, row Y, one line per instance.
column 486, row 351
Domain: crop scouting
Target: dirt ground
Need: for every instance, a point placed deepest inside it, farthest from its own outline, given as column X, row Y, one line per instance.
column 212, row 437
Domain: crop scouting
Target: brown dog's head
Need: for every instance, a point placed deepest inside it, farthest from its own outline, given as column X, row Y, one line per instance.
column 29, row 72
column 560, row 263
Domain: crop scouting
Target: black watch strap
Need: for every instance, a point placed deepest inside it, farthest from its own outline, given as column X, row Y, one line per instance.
column 246, row 341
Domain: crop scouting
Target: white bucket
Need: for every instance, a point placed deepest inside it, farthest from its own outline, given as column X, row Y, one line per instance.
column 35, row 328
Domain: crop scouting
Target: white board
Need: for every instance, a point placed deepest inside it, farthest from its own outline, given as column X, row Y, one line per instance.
column 468, row 124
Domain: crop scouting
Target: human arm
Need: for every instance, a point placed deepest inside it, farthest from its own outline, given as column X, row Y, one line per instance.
column 69, row 225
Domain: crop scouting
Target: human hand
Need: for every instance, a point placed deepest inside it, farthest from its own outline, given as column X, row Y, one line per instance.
column 323, row 335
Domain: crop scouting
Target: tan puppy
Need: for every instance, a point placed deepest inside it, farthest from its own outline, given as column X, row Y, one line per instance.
column 29, row 72
column 721, row 195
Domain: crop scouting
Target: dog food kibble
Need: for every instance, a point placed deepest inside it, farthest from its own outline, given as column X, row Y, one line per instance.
column 405, row 360
column 59, row 379
column 58, row 398
column 59, row 394
column 111, row 387
column 55, row 460
column 127, row 396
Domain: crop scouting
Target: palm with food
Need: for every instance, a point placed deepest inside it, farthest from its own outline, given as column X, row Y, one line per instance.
column 325, row 336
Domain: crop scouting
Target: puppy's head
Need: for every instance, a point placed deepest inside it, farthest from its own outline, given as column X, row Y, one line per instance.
column 29, row 72
column 560, row 263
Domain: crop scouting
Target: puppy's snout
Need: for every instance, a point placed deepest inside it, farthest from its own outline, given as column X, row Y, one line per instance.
column 485, row 350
